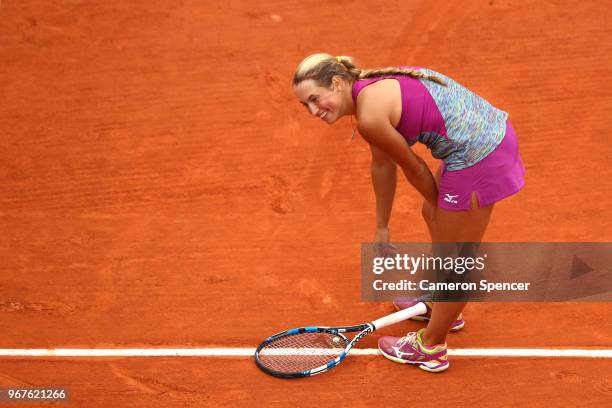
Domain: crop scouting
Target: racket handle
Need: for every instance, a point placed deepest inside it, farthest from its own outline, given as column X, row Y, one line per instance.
column 400, row 316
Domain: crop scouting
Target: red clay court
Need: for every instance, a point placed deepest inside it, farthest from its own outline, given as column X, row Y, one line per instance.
column 162, row 188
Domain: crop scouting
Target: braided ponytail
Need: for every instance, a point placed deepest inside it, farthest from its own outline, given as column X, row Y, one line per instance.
column 371, row 73
column 323, row 67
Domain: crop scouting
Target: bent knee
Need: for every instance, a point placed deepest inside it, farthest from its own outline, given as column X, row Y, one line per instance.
column 428, row 212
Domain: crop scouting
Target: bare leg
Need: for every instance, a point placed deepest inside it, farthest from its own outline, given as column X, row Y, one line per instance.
column 428, row 211
column 453, row 226
column 443, row 314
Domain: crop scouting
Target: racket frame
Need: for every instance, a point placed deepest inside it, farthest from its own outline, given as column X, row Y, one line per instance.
column 363, row 329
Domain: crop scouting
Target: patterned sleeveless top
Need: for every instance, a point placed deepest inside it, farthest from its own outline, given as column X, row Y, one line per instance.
column 458, row 126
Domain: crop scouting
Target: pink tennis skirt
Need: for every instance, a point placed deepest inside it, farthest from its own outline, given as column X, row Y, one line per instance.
column 494, row 178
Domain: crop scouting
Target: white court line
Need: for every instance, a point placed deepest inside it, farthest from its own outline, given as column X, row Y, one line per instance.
column 248, row 352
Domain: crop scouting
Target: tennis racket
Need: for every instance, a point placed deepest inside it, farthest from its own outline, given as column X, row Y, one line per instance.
column 307, row 351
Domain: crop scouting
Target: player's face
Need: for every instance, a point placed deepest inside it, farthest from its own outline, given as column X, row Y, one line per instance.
column 324, row 103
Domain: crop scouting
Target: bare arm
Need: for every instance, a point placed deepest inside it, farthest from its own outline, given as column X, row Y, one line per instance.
column 384, row 180
column 375, row 127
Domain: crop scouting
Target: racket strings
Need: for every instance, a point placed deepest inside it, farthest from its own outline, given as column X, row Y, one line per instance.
column 301, row 352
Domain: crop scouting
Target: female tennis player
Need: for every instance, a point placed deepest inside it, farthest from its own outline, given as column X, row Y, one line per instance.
column 394, row 108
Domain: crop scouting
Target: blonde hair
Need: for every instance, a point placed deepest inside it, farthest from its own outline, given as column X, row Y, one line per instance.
column 323, row 67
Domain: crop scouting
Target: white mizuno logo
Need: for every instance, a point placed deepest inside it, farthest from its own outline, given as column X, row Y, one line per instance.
column 401, row 354
column 449, row 198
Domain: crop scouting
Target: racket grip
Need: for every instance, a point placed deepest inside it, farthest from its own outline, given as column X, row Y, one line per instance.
column 402, row 315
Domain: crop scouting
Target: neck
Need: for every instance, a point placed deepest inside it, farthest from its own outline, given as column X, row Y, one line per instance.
column 348, row 100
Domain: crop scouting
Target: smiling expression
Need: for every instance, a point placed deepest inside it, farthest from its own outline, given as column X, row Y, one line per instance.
column 325, row 103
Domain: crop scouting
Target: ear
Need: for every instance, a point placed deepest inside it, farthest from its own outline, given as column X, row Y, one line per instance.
column 337, row 82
